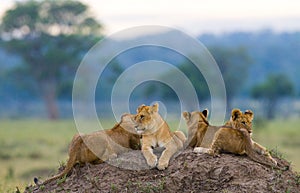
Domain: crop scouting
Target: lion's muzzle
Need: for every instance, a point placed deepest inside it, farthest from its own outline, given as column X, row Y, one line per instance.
column 139, row 130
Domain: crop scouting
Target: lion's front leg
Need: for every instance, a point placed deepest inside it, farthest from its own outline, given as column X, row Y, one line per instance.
column 263, row 151
column 259, row 149
column 149, row 156
column 171, row 148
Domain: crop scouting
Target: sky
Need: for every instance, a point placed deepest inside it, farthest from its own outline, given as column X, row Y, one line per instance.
column 194, row 16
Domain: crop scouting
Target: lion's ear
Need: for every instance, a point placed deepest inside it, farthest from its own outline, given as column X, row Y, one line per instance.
column 205, row 112
column 155, row 108
column 123, row 116
column 250, row 114
column 126, row 117
column 186, row 115
column 235, row 113
column 140, row 108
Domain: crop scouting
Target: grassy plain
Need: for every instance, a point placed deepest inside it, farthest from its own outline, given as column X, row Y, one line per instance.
column 282, row 136
column 35, row 148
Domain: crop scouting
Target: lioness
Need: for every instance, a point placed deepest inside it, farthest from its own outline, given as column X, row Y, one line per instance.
column 109, row 143
column 156, row 132
column 200, row 133
column 234, row 137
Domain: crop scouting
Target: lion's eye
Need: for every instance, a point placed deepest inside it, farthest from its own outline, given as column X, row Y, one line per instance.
column 244, row 122
column 142, row 117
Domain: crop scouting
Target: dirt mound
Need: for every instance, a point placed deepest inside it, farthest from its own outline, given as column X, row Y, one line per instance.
column 188, row 172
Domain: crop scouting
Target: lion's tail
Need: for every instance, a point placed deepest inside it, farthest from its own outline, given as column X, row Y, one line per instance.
column 253, row 155
column 71, row 162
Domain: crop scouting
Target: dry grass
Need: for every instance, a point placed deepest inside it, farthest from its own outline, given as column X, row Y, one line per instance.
column 35, row 148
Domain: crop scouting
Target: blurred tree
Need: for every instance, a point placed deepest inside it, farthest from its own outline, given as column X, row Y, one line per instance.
column 114, row 70
column 194, row 75
column 196, row 79
column 234, row 64
column 51, row 36
column 107, row 81
column 271, row 90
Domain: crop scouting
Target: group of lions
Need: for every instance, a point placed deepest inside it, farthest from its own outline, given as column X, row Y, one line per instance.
column 147, row 130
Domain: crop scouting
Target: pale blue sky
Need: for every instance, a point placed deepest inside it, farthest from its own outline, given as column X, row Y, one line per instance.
column 195, row 16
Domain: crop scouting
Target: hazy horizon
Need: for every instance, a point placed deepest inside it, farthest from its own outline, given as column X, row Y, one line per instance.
column 194, row 17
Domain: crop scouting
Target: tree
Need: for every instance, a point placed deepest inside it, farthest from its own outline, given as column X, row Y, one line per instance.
column 191, row 72
column 271, row 90
column 197, row 79
column 51, row 37
column 234, row 64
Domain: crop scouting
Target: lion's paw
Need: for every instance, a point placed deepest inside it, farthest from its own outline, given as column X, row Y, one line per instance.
column 152, row 161
column 200, row 150
column 274, row 161
column 213, row 153
column 162, row 165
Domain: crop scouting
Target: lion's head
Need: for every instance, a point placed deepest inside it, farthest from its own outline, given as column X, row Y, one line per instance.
column 127, row 123
column 196, row 121
column 196, row 118
column 241, row 120
column 147, row 119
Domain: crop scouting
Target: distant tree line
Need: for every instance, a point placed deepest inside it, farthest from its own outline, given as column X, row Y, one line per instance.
column 49, row 39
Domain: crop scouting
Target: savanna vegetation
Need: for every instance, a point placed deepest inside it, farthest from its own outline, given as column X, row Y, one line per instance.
column 43, row 42
column 36, row 148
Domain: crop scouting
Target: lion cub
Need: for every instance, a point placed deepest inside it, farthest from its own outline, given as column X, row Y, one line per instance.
column 109, row 143
column 156, row 132
column 234, row 137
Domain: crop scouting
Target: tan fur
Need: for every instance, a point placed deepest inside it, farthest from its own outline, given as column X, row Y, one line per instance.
column 109, row 143
column 200, row 133
column 234, row 137
column 156, row 133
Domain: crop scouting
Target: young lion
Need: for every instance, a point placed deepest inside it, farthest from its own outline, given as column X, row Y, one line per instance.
column 156, row 132
column 200, row 133
column 109, row 143
column 234, row 137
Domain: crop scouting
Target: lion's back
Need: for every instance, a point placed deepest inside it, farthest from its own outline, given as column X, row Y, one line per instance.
column 209, row 136
column 231, row 140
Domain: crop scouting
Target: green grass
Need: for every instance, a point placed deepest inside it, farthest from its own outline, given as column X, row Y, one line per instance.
column 36, row 148
column 33, row 148
column 281, row 135
column 30, row 148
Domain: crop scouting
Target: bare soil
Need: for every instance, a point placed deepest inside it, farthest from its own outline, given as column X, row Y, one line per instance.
column 187, row 172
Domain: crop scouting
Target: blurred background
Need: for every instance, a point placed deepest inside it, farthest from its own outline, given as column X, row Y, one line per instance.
column 256, row 45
